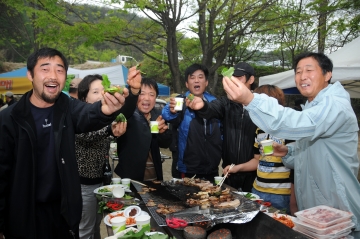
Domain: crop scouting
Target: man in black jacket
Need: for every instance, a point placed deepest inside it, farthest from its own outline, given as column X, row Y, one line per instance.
column 40, row 195
column 138, row 149
column 238, row 130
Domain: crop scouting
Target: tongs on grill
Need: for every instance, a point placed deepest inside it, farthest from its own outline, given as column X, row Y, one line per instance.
column 193, row 210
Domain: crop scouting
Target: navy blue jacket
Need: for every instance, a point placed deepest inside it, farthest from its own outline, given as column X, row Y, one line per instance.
column 199, row 140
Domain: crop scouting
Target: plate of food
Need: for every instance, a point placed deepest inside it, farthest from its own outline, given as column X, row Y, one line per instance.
column 247, row 195
column 285, row 219
column 130, row 221
column 107, row 190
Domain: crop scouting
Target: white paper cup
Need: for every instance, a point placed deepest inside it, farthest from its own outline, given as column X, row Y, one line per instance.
column 267, row 146
column 143, row 222
column 179, row 103
column 154, row 127
column 126, row 182
column 116, row 180
column 118, row 224
column 217, row 179
column 118, row 192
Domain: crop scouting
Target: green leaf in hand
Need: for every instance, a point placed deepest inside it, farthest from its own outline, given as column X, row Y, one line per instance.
column 190, row 97
column 111, row 89
column 105, row 82
column 138, row 65
column 120, row 118
column 228, row 72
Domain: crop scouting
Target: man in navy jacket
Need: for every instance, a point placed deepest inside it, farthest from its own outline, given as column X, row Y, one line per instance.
column 40, row 195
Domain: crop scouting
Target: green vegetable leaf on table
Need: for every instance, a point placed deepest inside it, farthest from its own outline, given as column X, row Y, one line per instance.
column 111, row 89
column 228, row 72
column 141, row 235
column 249, row 196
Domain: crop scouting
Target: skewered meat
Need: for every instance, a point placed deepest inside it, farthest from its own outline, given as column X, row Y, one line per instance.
column 231, row 204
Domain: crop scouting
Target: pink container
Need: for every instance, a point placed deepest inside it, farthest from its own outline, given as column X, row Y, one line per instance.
column 323, row 216
column 328, row 231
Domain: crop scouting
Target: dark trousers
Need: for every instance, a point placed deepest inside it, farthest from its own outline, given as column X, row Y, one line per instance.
column 174, row 172
column 51, row 224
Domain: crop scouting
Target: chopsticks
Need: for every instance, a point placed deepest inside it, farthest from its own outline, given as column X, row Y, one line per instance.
column 223, row 179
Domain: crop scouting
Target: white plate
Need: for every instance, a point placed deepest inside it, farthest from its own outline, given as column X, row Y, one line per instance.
column 129, row 208
column 244, row 193
column 107, row 218
column 152, row 233
column 110, row 187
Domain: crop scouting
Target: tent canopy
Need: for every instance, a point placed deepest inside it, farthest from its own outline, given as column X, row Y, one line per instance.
column 163, row 90
column 346, row 69
column 17, row 81
column 117, row 74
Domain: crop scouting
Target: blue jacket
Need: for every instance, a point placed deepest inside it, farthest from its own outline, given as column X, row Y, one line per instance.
column 324, row 156
column 199, row 140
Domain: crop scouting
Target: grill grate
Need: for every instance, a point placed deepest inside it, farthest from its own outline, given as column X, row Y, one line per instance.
column 171, row 194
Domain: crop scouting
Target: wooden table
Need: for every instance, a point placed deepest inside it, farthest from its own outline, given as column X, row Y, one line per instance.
column 262, row 226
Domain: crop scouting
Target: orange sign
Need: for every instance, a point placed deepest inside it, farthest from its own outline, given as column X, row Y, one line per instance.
column 17, row 85
column 7, row 84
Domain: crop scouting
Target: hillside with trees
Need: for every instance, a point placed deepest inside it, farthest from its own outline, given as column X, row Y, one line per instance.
column 155, row 32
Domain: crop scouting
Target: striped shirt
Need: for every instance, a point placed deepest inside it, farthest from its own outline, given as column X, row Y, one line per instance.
column 272, row 175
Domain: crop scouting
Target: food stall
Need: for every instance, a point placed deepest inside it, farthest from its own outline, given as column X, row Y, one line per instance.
column 252, row 224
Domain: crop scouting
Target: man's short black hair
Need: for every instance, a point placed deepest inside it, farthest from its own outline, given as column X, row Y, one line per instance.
column 325, row 63
column 44, row 53
column 151, row 83
column 194, row 67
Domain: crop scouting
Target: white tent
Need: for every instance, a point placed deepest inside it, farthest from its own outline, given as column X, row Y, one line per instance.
column 346, row 69
column 117, row 74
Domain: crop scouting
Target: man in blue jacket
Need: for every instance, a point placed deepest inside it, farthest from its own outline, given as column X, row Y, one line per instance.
column 199, row 139
column 324, row 156
column 40, row 194
column 238, row 131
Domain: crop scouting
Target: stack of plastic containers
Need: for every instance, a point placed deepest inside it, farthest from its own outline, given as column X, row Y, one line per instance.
column 323, row 222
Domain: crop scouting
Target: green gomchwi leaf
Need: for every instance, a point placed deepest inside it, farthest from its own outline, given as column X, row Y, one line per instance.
column 228, row 72
column 105, row 82
column 111, row 89
column 120, row 118
column 190, row 97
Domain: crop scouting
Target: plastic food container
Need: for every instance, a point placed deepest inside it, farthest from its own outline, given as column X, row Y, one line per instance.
column 314, row 235
column 323, row 216
column 329, row 231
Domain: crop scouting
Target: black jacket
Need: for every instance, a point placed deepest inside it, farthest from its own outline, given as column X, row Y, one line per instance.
column 134, row 146
column 18, row 142
column 239, row 137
